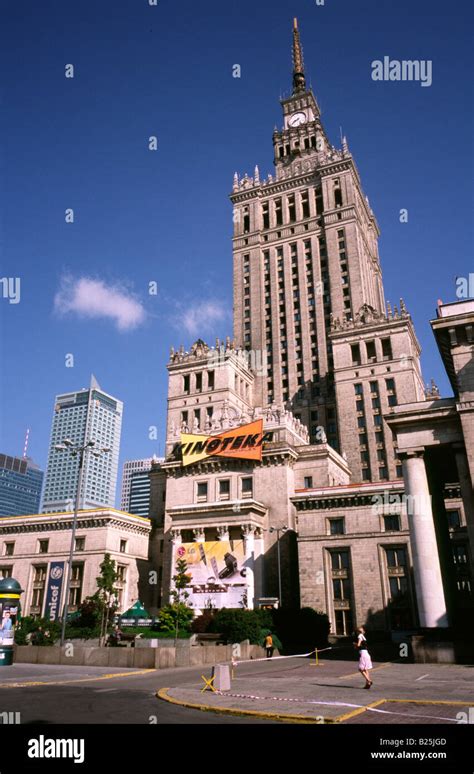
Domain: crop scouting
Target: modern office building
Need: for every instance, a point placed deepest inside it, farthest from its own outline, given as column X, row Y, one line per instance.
column 87, row 415
column 129, row 469
column 21, row 482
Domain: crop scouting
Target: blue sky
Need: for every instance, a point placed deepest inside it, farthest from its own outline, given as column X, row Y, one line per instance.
column 142, row 216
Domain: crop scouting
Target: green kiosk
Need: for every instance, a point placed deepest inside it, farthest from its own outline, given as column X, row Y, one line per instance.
column 10, row 591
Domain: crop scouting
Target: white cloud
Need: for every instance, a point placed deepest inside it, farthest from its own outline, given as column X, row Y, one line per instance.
column 94, row 299
column 201, row 317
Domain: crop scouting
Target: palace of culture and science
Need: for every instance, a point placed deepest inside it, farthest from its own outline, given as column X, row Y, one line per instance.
column 361, row 504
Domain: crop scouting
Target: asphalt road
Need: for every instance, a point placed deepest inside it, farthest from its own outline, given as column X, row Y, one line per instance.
column 90, row 695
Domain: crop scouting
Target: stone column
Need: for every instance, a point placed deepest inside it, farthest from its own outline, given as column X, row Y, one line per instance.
column 426, row 565
column 176, row 541
column 199, row 535
column 466, row 493
column 258, row 564
column 223, row 533
column 249, row 547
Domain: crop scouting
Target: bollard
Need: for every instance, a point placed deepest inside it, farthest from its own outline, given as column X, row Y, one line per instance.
column 221, row 673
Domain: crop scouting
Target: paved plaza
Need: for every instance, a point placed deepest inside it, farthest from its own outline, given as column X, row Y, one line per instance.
column 297, row 690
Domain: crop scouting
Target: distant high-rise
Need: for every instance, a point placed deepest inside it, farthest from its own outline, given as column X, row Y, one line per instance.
column 87, row 415
column 136, row 486
column 21, row 482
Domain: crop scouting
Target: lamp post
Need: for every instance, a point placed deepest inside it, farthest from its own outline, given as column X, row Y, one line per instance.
column 278, row 530
column 68, row 445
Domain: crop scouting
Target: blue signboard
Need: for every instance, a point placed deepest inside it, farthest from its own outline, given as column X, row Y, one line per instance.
column 53, row 591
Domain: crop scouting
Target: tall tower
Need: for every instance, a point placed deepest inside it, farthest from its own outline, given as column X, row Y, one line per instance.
column 90, row 414
column 305, row 253
column 305, row 247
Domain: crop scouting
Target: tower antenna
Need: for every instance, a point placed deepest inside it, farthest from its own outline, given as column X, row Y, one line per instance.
column 25, row 448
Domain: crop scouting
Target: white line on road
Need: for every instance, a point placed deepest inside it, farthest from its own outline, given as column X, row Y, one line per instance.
column 422, row 676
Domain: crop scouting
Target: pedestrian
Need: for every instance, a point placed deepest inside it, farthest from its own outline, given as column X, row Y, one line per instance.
column 269, row 645
column 365, row 662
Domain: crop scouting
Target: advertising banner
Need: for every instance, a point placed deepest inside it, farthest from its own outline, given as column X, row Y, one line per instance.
column 244, row 442
column 8, row 614
column 217, row 571
column 53, row 591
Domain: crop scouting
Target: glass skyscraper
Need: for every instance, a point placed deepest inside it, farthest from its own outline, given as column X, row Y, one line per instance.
column 87, row 415
column 21, row 482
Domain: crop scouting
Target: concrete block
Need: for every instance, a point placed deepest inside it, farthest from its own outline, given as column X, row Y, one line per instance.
column 120, row 657
column 183, row 657
column 26, row 654
column 96, row 657
column 144, row 658
column 76, row 655
column 196, row 656
column 210, row 654
column 221, row 674
column 165, row 658
column 48, row 654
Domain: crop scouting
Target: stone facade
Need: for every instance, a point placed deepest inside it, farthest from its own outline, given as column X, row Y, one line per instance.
column 28, row 545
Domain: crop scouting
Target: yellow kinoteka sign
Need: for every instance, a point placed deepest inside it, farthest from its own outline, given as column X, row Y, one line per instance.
column 244, row 442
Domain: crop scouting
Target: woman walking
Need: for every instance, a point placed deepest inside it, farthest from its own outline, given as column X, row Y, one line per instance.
column 365, row 662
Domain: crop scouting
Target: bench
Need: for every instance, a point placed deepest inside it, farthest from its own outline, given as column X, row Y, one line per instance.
column 126, row 640
column 215, row 638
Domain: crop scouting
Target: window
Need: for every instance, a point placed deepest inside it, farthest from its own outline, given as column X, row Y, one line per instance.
column 370, row 349
column 305, row 204
column 355, row 352
column 278, row 213
column 391, row 522
column 386, row 349
column 80, row 544
column 76, row 585
column 308, row 482
column 247, row 487
column 224, row 489
column 291, row 208
column 358, row 389
column 202, row 491
column 265, row 213
column 123, row 546
column 8, row 549
column 186, row 384
column 378, row 420
column 374, row 387
column 336, row 526
column 5, row 572
column 396, row 557
column 210, row 380
column 337, row 197
column 198, row 382
column 43, row 546
column 454, row 519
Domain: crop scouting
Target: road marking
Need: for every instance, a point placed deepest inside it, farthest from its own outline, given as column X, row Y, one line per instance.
column 34, row 683
column 422, row 677
column 105, row 690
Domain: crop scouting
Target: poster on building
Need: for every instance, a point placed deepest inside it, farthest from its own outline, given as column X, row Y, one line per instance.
column 218, row 573
column 53, row 591
column 8, row 614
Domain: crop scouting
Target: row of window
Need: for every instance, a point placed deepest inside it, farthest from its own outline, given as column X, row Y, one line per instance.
column 198, row 382
column 202, row 491
column 371, row 351
column 42, row 546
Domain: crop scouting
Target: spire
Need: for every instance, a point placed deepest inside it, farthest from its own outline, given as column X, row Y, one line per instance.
column 299, row 81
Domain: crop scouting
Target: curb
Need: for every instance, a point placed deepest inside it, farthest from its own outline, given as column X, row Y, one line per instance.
column 163, row 694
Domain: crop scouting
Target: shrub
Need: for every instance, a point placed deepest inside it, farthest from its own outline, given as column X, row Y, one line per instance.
column 42, row 631
column 201, row 624
column 167, row 617
column 237, row 625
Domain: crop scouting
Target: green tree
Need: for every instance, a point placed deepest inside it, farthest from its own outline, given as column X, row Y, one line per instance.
column 106, row 593
column 181, row 580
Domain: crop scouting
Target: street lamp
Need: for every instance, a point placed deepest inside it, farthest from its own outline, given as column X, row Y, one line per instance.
column 278, row 530
column 68, row 445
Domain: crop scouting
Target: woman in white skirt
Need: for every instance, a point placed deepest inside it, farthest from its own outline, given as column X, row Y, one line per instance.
column 365, row 662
